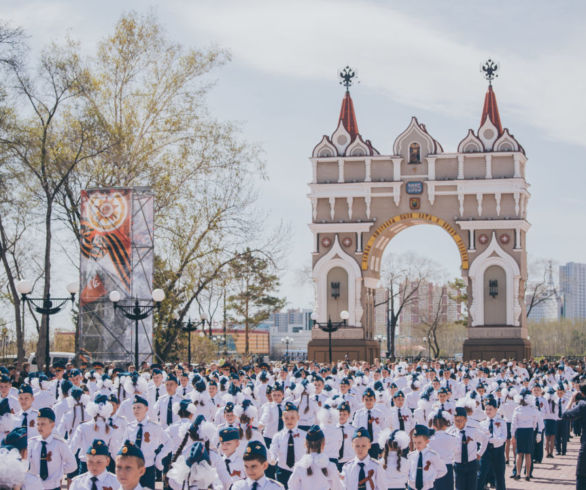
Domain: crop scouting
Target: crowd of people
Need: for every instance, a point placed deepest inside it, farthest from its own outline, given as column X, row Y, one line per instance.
column 350, row 425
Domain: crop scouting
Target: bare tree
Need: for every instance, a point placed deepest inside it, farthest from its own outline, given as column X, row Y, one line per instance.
column 540, row 287
column 434, row 318
column 402, row 277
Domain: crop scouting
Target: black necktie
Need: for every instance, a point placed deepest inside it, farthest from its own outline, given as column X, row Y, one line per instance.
column 537, row 404
column 94, row 479
column 255, row 486
column 228, row 466
column 370, row 426
column 184, row 391
column 491, row 428
column 44, row 468
column 560, row 408
column 361, row 477
column 419, row 473
column 290, row 451
column 401, row 422
column 157, row 394
column 57, row 389
column 464, row 447
column 24, row 420
column 341, row 452
column 280, row 426
column 170, row 411
column 138, row 441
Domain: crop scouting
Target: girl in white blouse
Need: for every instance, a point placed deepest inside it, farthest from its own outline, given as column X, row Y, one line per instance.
column 395, row 466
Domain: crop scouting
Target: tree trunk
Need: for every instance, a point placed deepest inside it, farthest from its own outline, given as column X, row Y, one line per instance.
column 43, row 338
column 246, row 340
column 16, row 302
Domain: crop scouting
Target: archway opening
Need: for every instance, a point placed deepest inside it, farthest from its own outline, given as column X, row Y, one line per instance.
column 423, row 291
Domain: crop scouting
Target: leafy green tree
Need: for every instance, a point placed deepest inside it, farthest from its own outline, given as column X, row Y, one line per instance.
column 252, row 301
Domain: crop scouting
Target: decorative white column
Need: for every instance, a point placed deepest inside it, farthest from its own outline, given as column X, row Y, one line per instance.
column 349, row 202
column 488, row 166
column 460, row 167
column 517, row 159
column 341, row 170
column 431, row 168
column 396, row 169
column 332, row 207
column 367, row 164
column 479, row 202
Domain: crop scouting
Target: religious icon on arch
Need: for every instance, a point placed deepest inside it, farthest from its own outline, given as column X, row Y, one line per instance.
column 414, row 203
column 414, row 153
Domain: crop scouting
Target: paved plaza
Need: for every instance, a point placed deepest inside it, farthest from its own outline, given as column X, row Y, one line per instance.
column 559, row 472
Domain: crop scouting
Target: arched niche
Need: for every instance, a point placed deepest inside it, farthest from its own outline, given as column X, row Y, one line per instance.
column 337, row 292
column 495, row 295
column 337, row 258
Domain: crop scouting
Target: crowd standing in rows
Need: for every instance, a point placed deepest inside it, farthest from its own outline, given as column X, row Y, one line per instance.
column 351, row 425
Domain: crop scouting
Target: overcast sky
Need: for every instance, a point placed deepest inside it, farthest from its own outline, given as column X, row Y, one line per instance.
column 413, row 58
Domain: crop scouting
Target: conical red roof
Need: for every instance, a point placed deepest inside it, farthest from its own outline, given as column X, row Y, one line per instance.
column 347, row 115
column 491, row 110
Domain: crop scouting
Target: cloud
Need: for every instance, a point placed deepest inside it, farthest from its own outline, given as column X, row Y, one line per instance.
column 413, row 61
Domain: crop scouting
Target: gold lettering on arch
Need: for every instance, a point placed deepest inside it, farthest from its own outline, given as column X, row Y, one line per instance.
column 430, row 218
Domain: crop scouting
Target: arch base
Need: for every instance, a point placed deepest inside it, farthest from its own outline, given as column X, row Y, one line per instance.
column 497, row 348
column 351, row 349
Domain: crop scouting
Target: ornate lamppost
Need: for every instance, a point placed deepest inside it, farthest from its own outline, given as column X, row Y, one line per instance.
column 45, row 306
column 287, row 341
column 330, row 326
column 380, row 339
column 137, row 309
column 188, row 327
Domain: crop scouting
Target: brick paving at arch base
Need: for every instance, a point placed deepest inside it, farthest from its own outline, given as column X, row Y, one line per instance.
column 551, row 474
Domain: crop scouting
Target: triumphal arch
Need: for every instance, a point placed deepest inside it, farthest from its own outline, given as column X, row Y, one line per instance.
column 361, row 199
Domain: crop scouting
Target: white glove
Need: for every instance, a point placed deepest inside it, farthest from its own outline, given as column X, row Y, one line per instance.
column 538, row 438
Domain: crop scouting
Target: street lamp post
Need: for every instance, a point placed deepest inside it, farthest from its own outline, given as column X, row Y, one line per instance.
column 217, row 339
column 45, row 306
column 190, row 326
column 330, row 326
column 380, row 339
column 287, row 341
column 137, row 309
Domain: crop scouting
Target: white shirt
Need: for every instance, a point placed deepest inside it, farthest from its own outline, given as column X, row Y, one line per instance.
column 372, row 471
column 473, row 438
column 60, row 459
column 406, row 415
column 377, row 417
column 433, row 467
column 160, row 410
column 499, row 431
column 153, row 436
column 264, row 483
column 84, row 436
column 270, row 419
column 279, row 446
column 348, row 453
column 104, row 480
column 445, row 444
column 392, row 477
column 31, row 425
column 525, row 417
column 300, row 479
